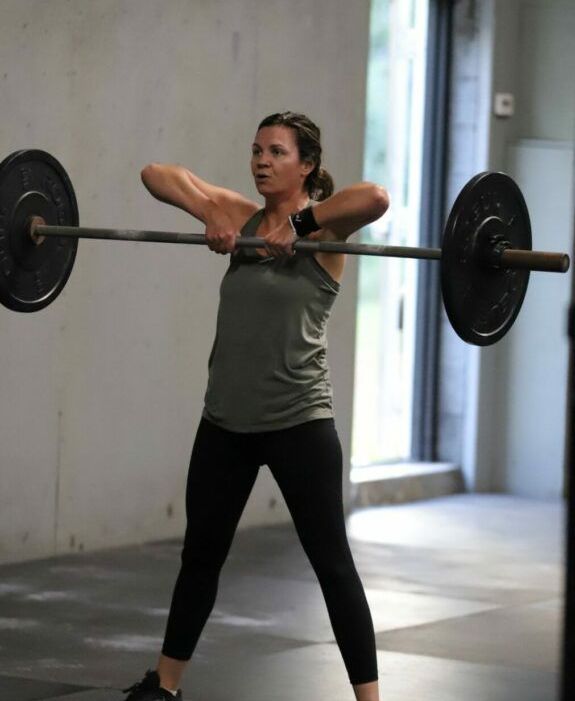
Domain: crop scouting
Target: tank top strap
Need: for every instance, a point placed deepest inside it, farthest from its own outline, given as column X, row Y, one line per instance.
column 251, row 226
column 248, row 230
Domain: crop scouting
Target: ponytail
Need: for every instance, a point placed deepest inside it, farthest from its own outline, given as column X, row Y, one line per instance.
column 319, row 184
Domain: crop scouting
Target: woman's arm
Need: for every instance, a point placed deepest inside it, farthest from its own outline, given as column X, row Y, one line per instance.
column 337, row 217
column 223, row 211
column 178, row 186
column 348, row 210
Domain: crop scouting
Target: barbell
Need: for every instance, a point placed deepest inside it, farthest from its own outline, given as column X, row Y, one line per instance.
column 486, row 255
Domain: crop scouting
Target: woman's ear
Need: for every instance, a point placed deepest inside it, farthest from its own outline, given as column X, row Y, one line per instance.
column 308, row 166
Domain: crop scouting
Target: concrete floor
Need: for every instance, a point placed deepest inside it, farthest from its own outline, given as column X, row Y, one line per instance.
column 465, row 594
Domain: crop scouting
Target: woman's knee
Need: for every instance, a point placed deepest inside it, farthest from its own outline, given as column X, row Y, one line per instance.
column 336, row 571
column 205, row 560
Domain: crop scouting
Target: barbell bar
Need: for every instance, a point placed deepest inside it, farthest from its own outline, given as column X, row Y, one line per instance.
column 485, row 259
column 509, row 258
column 38, row 230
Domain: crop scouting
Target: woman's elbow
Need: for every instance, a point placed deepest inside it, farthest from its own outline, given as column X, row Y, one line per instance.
column 379, row 201
column 150, row 171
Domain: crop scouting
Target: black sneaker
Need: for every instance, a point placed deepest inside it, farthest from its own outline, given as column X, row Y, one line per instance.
column 149, row 689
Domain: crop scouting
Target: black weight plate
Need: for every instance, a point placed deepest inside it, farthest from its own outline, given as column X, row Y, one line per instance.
column 33, row 183
column 482, row 302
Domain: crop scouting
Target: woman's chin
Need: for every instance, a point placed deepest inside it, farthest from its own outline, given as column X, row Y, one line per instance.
column 264, row 189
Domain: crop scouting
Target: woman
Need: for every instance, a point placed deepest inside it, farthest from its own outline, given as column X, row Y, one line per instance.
column 269, row 398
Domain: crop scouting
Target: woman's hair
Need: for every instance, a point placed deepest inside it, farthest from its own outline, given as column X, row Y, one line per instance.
column 319, row 183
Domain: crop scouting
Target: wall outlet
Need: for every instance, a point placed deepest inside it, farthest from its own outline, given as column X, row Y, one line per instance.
column 504, row 104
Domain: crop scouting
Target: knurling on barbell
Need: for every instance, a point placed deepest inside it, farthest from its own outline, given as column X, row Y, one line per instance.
column 485, row 259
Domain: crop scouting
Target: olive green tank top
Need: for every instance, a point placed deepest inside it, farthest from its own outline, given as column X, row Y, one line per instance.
column 268, row 365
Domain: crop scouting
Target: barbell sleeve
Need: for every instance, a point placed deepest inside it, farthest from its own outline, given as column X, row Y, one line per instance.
column 543, row 261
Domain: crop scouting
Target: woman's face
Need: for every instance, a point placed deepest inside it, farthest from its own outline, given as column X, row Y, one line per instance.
column 276, row 164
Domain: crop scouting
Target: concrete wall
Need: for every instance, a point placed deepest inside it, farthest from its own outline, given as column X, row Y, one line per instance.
column 536, row 148
column 468, row 154
column 503, row 407
column 101, row 392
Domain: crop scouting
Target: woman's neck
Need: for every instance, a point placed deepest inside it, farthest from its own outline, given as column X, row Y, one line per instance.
column 278, row 210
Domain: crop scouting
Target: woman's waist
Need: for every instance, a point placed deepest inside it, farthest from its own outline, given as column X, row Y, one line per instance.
column 254, row 408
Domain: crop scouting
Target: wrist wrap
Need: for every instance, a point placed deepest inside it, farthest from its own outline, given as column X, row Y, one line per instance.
column 303, row 222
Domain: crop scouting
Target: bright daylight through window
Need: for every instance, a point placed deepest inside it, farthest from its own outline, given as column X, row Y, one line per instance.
column 385, row 344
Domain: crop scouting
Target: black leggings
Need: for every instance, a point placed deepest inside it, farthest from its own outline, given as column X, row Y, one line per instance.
column 306, row 462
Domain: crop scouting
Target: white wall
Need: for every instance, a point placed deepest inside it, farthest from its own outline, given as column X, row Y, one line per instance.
column 533, row 396
column 101, row 392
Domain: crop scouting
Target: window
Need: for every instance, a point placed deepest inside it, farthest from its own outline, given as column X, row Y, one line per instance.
column 386, row 332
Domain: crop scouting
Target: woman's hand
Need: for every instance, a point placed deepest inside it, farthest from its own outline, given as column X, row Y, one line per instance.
column 280, row 241
column 221, row 234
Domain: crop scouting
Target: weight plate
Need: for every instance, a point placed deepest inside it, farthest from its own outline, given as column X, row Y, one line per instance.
column 482, row 301
column 33, row 183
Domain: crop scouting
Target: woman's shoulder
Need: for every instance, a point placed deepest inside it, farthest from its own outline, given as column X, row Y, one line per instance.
column 241, row 210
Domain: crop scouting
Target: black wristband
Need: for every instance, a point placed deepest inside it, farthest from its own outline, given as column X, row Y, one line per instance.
column 303, row 222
